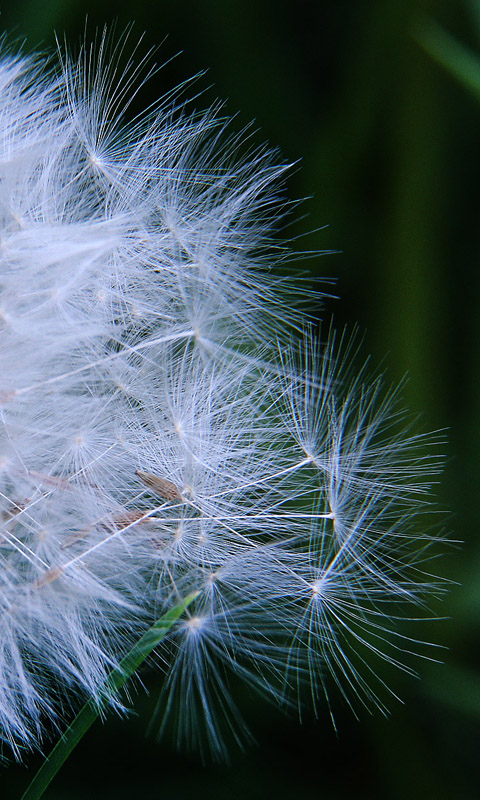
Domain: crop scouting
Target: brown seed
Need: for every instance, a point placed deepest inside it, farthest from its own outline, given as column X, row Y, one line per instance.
column 115, row 523
column 161, row 486
column 123, row 519
column 52, row 480
column 16, row 508
column 48, row 577
column 76, row 537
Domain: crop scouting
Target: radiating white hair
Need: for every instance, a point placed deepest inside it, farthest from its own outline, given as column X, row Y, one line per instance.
column 170, row 423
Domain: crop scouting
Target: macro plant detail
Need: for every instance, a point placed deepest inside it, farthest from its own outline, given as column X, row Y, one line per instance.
column 173, row 427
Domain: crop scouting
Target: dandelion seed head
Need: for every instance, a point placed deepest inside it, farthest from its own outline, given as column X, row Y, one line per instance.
column 169, row 423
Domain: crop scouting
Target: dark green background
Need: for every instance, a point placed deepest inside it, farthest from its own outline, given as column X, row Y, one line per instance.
column 390, row 160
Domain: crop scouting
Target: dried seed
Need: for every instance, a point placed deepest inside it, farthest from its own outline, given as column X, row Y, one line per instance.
column 161, row 486
column 117, row 522
column 76, row 537
column 17, row 508
column 52, row 480
column 123, row 519
column 48, row 577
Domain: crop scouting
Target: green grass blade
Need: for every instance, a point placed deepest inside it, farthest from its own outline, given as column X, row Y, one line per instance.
column 458, row 60
column 474, row 11
column 90, row 711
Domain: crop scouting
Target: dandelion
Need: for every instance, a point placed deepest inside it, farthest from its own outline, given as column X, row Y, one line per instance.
column 169, row 423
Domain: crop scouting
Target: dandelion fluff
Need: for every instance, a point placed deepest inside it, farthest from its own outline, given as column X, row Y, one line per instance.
column 169, row 424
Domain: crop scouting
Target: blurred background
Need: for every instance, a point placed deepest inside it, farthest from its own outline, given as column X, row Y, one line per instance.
column 380, row 100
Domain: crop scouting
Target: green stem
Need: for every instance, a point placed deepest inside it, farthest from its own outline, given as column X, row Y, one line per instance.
column 456, row 58
column 90, row 711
